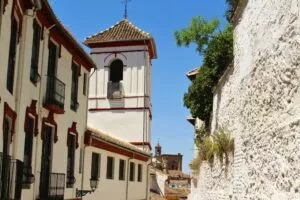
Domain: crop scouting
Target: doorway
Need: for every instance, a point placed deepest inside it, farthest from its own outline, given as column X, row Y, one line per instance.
column 6, row 160
column 46, row 163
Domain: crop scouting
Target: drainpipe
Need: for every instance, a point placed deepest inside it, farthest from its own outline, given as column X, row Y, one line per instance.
column 40, row 105
column 82, row 163
column 145, row 87
column 147, row 182
column 82, row 141
column 127, row 181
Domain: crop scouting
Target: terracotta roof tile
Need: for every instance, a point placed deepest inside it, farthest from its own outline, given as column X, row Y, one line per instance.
column 116, row 141
column 124, row 30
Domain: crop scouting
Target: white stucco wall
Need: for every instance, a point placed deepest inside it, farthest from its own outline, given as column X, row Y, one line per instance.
column 124, row 118
column 115, row 189
column 25, row 91
column 258, row 101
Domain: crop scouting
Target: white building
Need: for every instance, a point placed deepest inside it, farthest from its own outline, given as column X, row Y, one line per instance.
column 120, row 109
column 43, row 101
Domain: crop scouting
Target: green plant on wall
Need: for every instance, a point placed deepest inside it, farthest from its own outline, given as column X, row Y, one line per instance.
column 195, row 164
column 224, row 143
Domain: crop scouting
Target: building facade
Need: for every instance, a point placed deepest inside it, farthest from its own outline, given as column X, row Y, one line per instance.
column 167, row 162
column 118, row 141
column 43, row 101
column 120, row 89
column 257, row 99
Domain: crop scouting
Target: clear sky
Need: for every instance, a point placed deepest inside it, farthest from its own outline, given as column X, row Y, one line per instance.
column 161, row 18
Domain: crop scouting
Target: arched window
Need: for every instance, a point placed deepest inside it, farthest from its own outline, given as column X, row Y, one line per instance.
column 116, row 71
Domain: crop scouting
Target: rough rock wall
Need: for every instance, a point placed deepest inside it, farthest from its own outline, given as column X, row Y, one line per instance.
column 259, row 102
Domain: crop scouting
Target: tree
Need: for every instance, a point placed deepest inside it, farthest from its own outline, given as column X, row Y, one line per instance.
column 216, row 46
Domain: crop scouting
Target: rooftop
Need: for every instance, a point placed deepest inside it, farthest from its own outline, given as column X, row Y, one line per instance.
column 124, row 30
column 116, row 141
column 121, row 34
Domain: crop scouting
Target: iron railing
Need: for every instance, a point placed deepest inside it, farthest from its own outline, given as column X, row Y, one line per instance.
column 11, row 178
column 114, row 90
column 57, row 186
column 55, row 92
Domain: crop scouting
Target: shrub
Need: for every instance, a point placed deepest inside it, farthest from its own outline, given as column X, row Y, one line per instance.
column 224, row 144
column 207, row 149
column 195, row 163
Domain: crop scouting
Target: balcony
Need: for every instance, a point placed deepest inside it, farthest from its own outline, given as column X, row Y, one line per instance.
column 115, row 90
column 55, row 95
column 11, row 178
column 57, row 186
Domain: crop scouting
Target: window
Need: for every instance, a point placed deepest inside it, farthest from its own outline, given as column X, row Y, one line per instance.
column 95, row 166
column 84, row 84
column 12, row 56
column 74, row 89
column 34, row 76
column 27, row 169
column 122, row 170
column 132, row 171
column 52, row 59
column 140, row 172
column 110, row 168
column 116, row 71
column 71, row 160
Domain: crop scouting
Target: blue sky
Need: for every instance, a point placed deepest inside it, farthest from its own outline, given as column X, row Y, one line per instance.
column 161, row 18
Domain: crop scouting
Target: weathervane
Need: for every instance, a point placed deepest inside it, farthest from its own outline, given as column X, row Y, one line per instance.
column 125, row 2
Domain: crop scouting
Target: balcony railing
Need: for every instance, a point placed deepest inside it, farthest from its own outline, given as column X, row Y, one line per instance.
column 55, row 92
column 11, row 178
column 114, row 90
column 57, row 186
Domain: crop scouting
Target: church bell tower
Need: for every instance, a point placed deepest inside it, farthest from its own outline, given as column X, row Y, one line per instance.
column 120, row 88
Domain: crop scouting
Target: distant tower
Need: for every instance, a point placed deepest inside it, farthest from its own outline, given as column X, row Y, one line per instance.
column 157, row 150
column 120, row 88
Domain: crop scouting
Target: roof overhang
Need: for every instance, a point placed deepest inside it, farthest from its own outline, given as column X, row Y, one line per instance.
column 150, row 43
column 94, row 140
column 61, row 35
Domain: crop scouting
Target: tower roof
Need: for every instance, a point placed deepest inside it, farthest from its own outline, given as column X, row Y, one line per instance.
column 122, row 34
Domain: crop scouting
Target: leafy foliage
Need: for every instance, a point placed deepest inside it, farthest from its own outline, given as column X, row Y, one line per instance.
column 217, row 50
column 199, row 32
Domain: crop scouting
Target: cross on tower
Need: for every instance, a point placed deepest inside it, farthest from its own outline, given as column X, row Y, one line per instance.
column 125, row 2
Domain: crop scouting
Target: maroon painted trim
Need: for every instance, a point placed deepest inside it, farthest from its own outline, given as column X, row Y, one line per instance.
column 125, row 97
column 5, row 3
column 49, row 120
column 19, row 12
column 122, row 108
column 142, row 144
column 31, row 110
column 149, row 43
column 8, row 112
column 73, row 129
column 61, row 36
column 98, row 143
column 54, row 109
column 118, row 52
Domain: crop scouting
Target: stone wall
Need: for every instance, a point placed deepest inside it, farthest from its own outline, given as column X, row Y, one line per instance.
column 258, row 100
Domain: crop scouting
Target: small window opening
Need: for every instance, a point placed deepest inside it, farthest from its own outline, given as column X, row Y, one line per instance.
column 116, row 71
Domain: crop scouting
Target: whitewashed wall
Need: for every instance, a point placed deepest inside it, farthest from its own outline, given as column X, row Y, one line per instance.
column 259, row 103
column 126, row 124
column 115, row 189
column 25, row 91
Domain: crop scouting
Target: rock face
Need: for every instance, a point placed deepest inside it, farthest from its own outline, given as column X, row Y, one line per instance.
column 258, row 100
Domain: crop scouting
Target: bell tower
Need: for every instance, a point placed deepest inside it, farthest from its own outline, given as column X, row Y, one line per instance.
column 120, row 88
